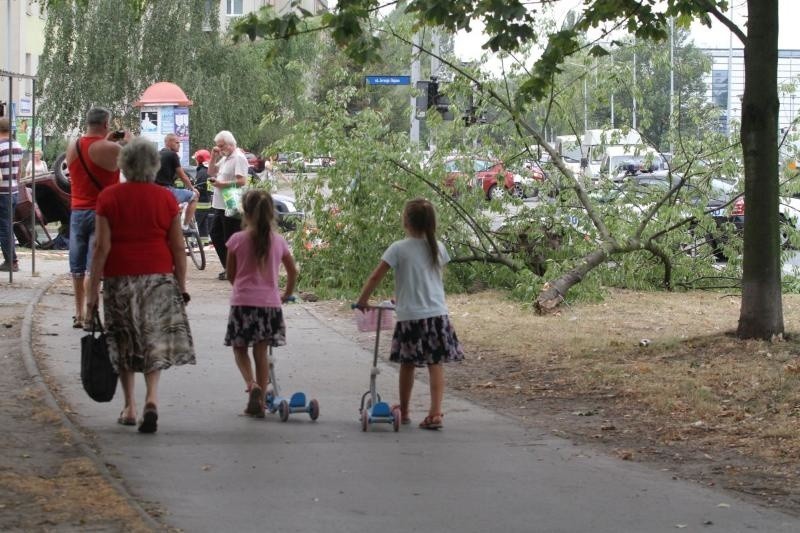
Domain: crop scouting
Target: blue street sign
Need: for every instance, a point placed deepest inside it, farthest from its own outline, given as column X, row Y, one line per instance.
column 388, row 80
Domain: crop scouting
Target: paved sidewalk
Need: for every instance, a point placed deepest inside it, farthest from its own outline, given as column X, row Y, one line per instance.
column 213, row 470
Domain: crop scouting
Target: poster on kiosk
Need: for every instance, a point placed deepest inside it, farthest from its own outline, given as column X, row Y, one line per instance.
column 157, row 122
column 164, row 109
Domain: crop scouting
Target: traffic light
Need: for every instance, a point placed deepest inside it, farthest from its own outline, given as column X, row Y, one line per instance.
column 2, row 109
column 433, row 93
column 429, row 97
column 428, row 92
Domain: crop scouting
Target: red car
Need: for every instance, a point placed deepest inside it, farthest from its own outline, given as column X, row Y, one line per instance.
column 492, row 176
column 256, row 162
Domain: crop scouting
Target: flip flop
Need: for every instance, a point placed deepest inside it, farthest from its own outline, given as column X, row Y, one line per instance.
column 432, row 422
column 149, row 423
column 126, row 420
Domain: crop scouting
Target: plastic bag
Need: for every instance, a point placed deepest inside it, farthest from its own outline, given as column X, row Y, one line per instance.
column 232, row 196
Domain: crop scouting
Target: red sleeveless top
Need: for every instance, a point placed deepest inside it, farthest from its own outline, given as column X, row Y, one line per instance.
column 83, row 191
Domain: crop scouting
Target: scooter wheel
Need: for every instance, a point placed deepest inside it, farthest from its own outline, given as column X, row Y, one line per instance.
column 313, row 409
column 283, row 410
column 364, row 420
column 396, row 416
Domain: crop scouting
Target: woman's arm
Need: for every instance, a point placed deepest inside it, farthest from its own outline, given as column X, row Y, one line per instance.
column 178, row 249
column 291, row 275
column 102, row 246
column 372, row 282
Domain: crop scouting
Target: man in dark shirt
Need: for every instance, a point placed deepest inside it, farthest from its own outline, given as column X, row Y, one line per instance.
column 170, row 169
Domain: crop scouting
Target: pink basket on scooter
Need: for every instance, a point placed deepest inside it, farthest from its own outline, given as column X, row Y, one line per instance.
column 368, row 319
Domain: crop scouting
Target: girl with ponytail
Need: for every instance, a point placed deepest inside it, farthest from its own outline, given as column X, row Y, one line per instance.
column 423, row 335
column 254, row 257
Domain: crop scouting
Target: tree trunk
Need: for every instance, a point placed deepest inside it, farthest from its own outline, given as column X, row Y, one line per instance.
column 552, row 293
column 761, row 313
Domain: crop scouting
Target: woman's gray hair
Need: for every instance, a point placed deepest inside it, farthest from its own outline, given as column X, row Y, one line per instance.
column 139, row 161
column 226, row 137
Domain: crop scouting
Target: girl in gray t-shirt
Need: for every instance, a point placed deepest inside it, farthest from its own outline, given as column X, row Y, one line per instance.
column 423, row 334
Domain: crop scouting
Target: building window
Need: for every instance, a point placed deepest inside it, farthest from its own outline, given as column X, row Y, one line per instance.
column 234, row 8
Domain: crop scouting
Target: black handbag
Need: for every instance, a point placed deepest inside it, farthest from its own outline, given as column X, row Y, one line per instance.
column 97, row 375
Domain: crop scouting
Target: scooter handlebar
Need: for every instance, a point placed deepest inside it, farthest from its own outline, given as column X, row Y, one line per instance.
column 383, row 305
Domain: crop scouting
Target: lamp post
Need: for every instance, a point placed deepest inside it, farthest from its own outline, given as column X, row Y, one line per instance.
column 633, row 94
column 585, row 94
column 671, row 79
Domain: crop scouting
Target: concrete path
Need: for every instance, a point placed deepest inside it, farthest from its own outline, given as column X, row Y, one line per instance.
column 210, row 469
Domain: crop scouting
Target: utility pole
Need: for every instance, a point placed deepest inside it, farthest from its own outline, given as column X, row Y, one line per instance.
column 415, row 77
column 729, row 109
column 435, row 63
column 634, row 84
column 671, row 79
column 585, row 106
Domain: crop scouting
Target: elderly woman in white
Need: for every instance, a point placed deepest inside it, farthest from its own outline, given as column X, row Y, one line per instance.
column 227, row 168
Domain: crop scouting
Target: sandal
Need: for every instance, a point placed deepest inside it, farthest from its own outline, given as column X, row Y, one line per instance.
column 149, row 423
column 432, row 422
column 126, row 420
column 77, row 322
column 405, row 420
column 255, row 403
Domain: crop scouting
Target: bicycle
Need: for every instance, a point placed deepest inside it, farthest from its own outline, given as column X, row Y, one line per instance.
column 194, row 246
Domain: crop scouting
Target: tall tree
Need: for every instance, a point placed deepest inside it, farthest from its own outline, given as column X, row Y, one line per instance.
column 509, row 25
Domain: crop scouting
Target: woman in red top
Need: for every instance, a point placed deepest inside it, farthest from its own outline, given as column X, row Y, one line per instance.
column 140, row 251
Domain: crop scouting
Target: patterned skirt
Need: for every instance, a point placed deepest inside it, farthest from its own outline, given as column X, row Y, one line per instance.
column 427, row 341
column 146, row 323
column 250, row 325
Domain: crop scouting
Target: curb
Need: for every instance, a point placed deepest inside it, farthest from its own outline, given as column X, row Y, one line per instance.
column 50, row 400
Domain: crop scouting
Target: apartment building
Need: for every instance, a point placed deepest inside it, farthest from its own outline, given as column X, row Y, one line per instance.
column 229, row 9
column 22, row 24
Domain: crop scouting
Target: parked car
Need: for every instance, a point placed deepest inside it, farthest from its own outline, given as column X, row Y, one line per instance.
column 490, row 174
column 287, row 212
column 617, row 167
column 713, row 198
column 255, row 162
column 318, row 162
column 788, row 213
column 290, row 161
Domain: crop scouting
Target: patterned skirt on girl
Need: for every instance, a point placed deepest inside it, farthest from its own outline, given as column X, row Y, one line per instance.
column 250, row 325
column 427, row 341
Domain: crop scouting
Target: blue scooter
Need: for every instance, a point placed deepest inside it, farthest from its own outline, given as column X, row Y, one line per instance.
column 373, row 410
column 297, row 403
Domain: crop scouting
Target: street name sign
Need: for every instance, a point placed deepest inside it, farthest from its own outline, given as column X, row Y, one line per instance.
column 388, row 80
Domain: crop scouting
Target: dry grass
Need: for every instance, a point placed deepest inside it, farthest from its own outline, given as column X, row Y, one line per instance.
column 661, row 374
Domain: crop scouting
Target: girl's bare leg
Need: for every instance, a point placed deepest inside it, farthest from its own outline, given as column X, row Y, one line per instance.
column 243, row 362
column 406, row 384
column 436, row 373
column 262, row 364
